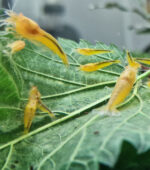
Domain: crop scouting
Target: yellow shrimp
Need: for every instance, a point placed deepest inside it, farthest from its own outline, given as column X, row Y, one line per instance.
column 89, row 51
column 33, row 104
column 95, row 66
column 143, row 60
column 30, row 30
column 124, row 84
column 16, row 46
column 30, row 108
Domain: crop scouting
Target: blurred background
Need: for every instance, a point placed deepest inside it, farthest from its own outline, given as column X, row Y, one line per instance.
column 125, row 23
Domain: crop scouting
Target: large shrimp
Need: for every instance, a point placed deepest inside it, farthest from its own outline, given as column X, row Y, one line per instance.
column 124, row 84
column 30, row 30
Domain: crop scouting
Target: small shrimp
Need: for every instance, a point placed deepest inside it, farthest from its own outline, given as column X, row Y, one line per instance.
column 33, row 104
column 89, row 51
column 124, row 84
column 143, row 60
column 30, row 30
column 96, row 66
column 16, row 46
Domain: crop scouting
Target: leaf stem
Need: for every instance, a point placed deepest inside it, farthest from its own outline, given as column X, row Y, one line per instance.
column 77, row 90
column 8, row 157
column 143, row 75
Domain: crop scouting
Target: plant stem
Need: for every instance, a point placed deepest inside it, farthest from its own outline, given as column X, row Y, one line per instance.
column 143, row 75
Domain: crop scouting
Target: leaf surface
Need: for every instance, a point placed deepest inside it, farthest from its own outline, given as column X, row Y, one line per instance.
column 80, row 138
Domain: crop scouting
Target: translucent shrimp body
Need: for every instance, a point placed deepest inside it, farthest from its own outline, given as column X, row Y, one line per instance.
column 124, row 84
column 30, row 30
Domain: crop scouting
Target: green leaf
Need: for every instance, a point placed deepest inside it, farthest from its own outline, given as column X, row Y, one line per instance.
column 83, row 138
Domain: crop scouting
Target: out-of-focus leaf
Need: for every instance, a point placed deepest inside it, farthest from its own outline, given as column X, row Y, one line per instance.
column 142, row 13
column 115, row 5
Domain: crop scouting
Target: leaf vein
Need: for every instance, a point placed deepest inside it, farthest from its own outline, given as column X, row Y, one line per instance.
column 8, row 158
column 49, row 76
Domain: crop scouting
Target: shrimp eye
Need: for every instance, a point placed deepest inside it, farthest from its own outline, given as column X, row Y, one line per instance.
column 32, row 31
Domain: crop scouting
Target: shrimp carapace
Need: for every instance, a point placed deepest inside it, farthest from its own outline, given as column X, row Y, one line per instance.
column 96, row 66
column 30, row 30
column 124, row 84
column 16, row 46
column 34, row 103
column 90, row 51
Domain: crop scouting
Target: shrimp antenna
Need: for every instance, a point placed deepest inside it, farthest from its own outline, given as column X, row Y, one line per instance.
column 4, row 9
column 14, row 5
column 8, row 12
column 9, row 5
column 5, row 12
column 3, row 24
column 3, row 15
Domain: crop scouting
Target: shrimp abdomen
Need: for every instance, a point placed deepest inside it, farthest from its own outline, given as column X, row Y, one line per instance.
column 122, row 89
